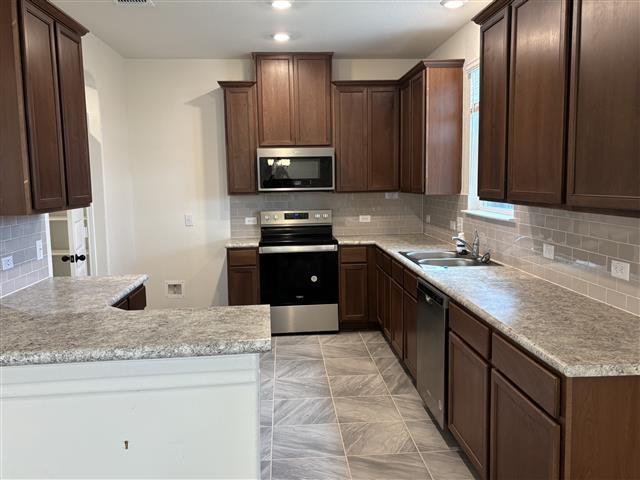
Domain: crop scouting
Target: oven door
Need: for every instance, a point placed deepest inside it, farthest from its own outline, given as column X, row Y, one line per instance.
column 299, row 276
column 295, row 169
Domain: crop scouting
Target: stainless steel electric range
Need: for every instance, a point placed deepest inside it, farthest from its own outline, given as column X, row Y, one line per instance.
column 299, row 270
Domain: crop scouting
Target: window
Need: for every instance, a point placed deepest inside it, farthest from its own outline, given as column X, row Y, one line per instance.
column 476, row 206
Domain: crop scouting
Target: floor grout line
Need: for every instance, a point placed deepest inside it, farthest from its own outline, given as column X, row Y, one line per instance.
column 273, row 410
column 335, row 410
column 405, row 424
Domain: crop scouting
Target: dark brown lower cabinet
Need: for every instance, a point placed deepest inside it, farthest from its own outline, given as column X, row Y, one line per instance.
column 410, row 327
column 136, row 300
column 525, row 441
column 469, row 402
column 353, row 293
column 396, row 294
column 243, row 276
column 382, row 300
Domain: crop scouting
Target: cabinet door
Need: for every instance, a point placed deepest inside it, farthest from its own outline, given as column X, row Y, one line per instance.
column 312, row 99
column 383, row 138
column 603, row 169
column 410, row 327
column 382, row 300
column 443, row 144
column 396, row 320
column 494, row 82
column 469, row 402
column 537, row 101
column 244, row 286
column 350, row 110
column 417, row 133
column 405, row 137
column 138, row 299
column 276, row 124
column 43, row 110
column 353, row 293
column 525, row 442
column 74, row 117
column 240, row 133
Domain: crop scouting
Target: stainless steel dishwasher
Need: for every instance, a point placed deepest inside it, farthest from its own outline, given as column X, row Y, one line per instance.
column 433, row 314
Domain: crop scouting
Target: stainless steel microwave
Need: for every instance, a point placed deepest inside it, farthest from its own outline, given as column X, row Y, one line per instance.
column 296, row 169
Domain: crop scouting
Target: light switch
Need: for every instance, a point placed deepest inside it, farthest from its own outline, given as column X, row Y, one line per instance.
column 548, row 251
column 391, row 195
column 188, row 220
column 452, row 225
column 365, row 218
column 252, row 220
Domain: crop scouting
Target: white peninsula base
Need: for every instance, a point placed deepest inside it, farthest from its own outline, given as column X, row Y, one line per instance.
column 160, row 418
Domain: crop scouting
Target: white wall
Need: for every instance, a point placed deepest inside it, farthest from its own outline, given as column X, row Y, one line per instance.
column 465, row 43
column 105, row 82
column 175, row 116
column 366, row 69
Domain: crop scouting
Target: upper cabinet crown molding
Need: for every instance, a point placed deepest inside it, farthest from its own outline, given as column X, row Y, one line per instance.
column 43, row 130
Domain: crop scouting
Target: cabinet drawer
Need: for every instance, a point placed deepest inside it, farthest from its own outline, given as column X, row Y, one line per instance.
column 397, row 271
column 383, row 261
column 353, row 254
column 410, row 283
column 531, row 377
column 470, row 330
column 243, row 257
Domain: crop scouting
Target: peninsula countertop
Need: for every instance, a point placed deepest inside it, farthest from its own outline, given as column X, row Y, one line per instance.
column 65, row 320
column 576, row 335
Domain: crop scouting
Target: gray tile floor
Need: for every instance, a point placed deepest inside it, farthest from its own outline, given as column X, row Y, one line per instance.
column 341, row 407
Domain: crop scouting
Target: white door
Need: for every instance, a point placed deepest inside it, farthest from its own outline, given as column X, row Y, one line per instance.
column 77, row 242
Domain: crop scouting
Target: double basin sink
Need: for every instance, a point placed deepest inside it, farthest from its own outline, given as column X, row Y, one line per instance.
column 444, row 259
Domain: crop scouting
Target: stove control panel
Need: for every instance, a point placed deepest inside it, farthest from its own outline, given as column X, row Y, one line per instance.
column 297, row 217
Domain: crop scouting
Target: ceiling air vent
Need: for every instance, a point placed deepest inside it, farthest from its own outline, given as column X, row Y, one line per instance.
column 141, row 3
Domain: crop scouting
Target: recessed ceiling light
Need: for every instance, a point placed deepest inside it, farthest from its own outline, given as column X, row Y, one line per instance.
column 281, row 37
column 452, row 3
column 281, row 4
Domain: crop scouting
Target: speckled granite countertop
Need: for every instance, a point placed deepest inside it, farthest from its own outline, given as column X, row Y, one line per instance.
column 574, row 334
column 247, row 242
column 64, row 320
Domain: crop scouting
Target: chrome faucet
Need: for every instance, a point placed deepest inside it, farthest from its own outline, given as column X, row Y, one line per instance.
column 474, row 248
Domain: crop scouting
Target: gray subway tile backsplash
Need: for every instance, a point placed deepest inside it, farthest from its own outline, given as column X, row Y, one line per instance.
column 18, row 236
column 584, row 244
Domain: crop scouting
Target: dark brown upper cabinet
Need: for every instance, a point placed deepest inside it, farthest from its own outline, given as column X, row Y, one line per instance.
column 293, row 98
column 366, row 124
column 581, row 153
column 537, row 101
column 431, row 128
column 603, row 164
column 240, row 135
column 494, row 84
column 43, row 124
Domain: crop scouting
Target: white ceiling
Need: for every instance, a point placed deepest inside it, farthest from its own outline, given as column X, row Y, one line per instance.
column 233, row 28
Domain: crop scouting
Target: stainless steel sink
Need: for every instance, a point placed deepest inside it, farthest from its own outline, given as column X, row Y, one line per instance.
column 417, row 256
column 445, row 259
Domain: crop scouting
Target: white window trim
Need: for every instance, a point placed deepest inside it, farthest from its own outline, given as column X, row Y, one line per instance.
column 476, row 206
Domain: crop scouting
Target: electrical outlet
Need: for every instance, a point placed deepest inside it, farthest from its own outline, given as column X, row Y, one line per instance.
column 188, row 220
column 620, row 270
column 39, row 251
column 548, row 251
column 460, row 224
column 250, row 221
column 427, row 219
column 365, row 218
column 452, row 225
column 7, row 262
column 175, row 288
column 391, row 195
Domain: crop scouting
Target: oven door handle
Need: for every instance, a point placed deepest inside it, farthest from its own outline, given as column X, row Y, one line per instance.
column 298, row 249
